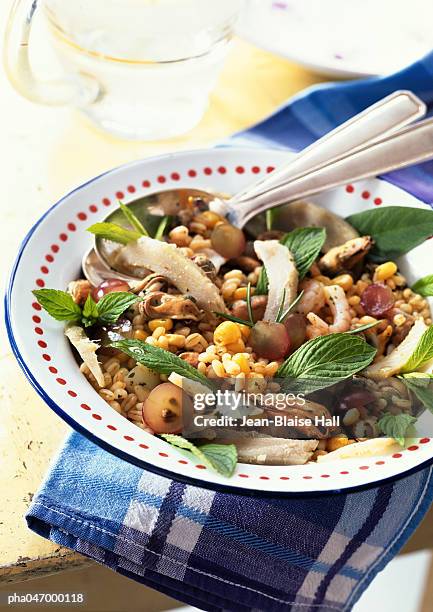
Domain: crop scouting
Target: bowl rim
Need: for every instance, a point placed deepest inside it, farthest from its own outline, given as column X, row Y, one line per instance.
column 112, row 449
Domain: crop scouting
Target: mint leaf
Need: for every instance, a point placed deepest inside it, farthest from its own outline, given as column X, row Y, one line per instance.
column 114, row 232
column 396, row 230
column 159, row 360
column 421, row 386
column 424, row 286
column 112, row 305
column 324, row 361
column 305, row 244
column 133, row 220
column 396, row 426
column 220, row 457
column 58, row 304
column 90, row 312
column 422, row 354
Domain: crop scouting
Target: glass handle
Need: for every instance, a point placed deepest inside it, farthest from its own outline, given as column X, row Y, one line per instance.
column 79, row 92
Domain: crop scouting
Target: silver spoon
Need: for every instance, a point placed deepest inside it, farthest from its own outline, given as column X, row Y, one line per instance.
column 347, row 153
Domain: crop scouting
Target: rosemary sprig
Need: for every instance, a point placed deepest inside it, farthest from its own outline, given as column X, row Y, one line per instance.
column 229, row 317
column 280, row 309
column 249, row 306
column 363, row 328
column 281, row 317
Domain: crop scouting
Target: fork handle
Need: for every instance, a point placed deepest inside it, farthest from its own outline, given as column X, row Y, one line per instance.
column 412, row 145
column 374, row 123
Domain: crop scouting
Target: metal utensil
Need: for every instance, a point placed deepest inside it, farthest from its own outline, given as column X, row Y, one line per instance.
column 325, row 164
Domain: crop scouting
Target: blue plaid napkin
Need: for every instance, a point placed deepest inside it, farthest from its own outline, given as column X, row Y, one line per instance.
column 221, row 551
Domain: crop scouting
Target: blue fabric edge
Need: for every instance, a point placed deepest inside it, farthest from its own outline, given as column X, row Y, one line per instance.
column 405, row 535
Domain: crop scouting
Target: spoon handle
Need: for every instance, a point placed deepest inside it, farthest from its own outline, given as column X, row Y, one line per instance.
column 374, row 123
column 412, row 145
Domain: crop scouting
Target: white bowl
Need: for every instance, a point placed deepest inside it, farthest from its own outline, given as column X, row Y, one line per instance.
column 50, row 256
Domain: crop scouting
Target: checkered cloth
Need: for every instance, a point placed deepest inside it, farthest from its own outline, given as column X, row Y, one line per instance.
column 218, row 551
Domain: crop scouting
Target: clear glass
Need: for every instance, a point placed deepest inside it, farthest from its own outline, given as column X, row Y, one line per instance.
column 149, row 65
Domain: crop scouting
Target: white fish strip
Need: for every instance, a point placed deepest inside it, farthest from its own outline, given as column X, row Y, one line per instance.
column 282, row 275
column 86, row 349
column 167, row 260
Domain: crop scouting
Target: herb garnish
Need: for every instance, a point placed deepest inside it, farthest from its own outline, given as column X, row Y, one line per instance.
column 396, row 426
column 160, row 231
column 61, row 306
column 58, row 304
column 159, row 360
column 220, row 457
column 396, row 230
column 305, row 244
column 132, row 219
column 424, row 286
column 114, row 232
column 363, row 328
column 123, row 235
column 420, row 385
column 282, row 315
column 325, row 361
column 229, row 317
column 422, row 353
column 249, row 306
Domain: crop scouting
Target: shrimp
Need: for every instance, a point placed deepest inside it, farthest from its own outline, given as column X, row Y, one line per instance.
column 340, row 310
column 313, row 298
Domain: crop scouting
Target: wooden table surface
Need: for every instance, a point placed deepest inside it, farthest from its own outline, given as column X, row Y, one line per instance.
column 47, row 152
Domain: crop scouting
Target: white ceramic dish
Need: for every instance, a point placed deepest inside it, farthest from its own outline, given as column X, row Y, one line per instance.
column 50, row 256
column 368, row 38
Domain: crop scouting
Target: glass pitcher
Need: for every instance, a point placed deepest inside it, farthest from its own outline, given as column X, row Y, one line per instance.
column 140, row 69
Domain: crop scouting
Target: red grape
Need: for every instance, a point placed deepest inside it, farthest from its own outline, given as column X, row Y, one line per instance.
column 377, row 299
column 111, row 285
column 356, row 399
column 296, row 327
column 162, row 410
column 228, row 241
column 270, row 340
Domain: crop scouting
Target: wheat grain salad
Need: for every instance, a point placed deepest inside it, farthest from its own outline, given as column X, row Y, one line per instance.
column 209, row 305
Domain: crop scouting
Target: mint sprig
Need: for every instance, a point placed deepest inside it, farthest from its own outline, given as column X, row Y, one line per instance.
column 396, row 426
column 220, row 457
column 325, row 361
column 159, row 360
column 424, row 286
column 61, row 306
column 305, row 244
column 396, row 230
column 90, row 311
